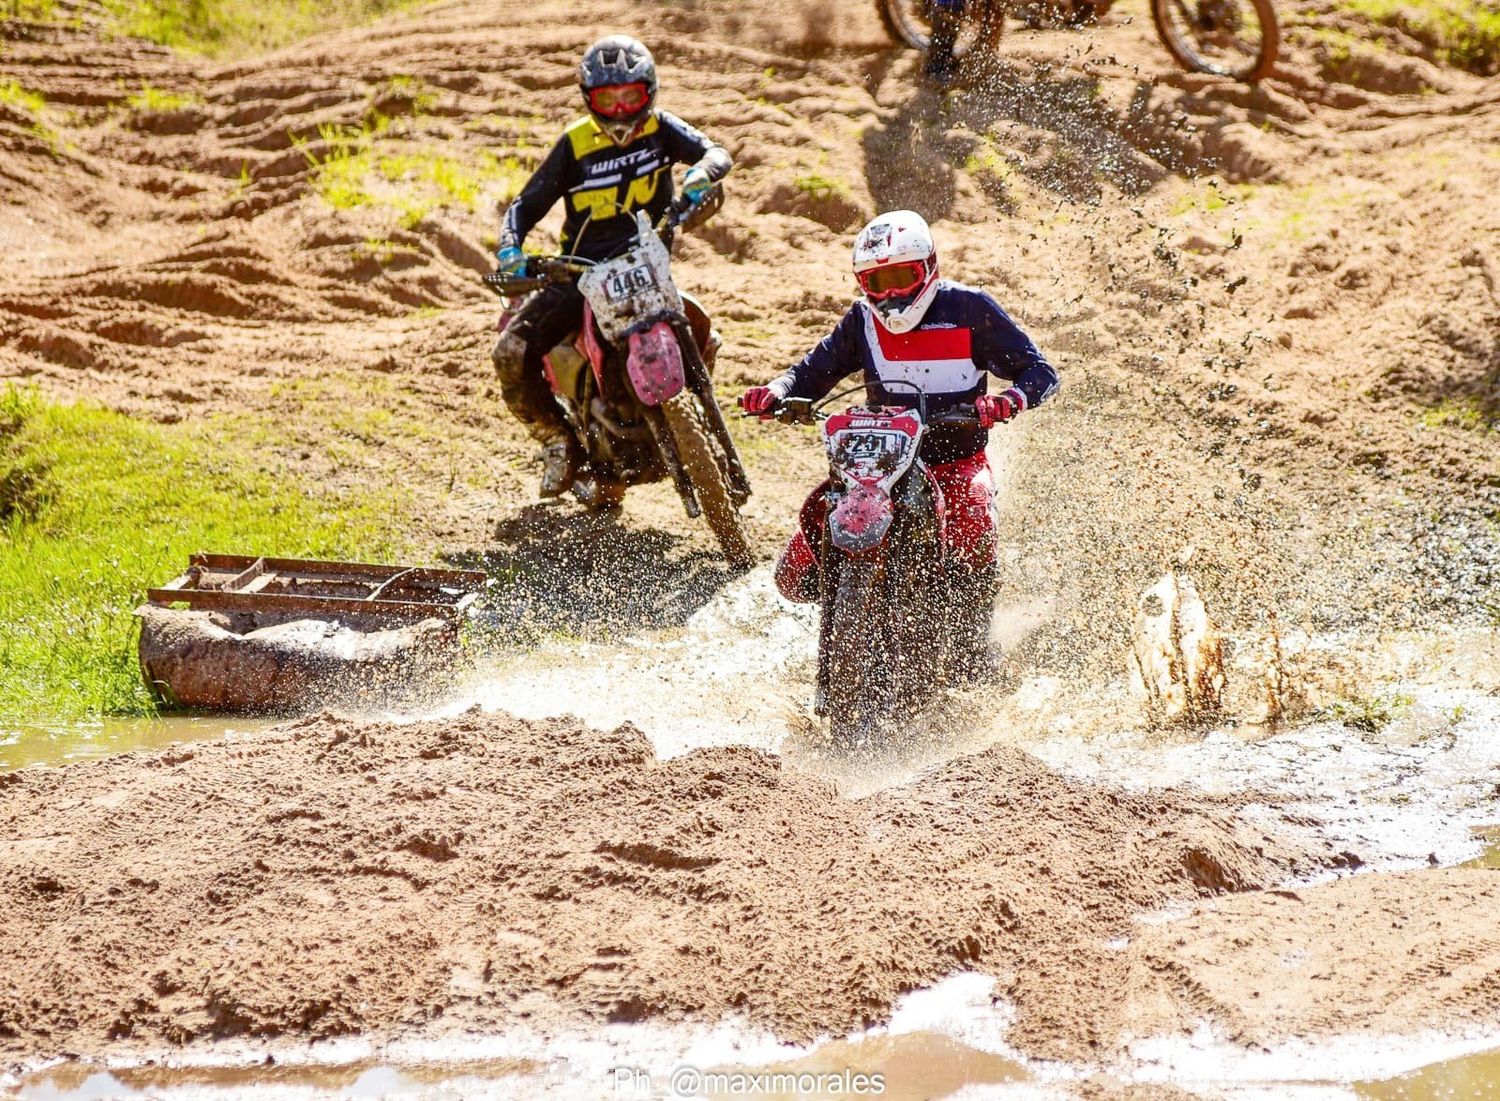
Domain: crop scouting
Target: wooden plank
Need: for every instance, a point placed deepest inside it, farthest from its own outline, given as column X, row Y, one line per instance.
column 219, row 600
column 379, row 591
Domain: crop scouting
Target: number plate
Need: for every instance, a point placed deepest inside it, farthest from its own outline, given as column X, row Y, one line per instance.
column 872, row 455
column 621, row 285
column 872, row 447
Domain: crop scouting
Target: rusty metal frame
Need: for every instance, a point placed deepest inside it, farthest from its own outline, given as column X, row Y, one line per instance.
column 443, row 593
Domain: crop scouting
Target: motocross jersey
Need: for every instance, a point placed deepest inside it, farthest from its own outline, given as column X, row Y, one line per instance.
column 604, row 184
column 964, row 337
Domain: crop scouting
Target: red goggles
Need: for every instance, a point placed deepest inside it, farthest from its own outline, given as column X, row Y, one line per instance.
column 618, row 100
column 897, row 279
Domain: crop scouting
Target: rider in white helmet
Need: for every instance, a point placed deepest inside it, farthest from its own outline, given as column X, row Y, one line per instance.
column 913, row 328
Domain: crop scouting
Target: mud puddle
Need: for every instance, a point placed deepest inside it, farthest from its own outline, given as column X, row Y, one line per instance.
column 1428, row 1068
column 920, row 1066
column 1471, row 1078
column 943, row 1042
column 61, row 743
column 939, row 1042
column 1409, row 794
column 732, row 674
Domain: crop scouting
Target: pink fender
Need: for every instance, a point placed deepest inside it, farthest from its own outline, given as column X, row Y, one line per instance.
column 862, row 518
column 655, row 364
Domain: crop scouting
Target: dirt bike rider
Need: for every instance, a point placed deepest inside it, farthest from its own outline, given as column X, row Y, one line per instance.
column 614, row 161
column 911, row 326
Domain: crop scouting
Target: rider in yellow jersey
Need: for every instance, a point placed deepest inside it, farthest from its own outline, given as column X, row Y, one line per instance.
column 610, row 164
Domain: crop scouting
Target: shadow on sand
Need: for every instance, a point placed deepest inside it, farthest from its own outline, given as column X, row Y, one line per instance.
column 591, row 574
column 1052, row 127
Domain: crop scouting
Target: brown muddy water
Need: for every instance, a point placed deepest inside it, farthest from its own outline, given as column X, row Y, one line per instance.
column 61, row 743
column 1473, row 1078
column 914, row 1066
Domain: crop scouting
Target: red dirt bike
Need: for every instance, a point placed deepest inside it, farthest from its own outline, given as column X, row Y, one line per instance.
column 634, row 383
column 1233, row 38
column 894, row 621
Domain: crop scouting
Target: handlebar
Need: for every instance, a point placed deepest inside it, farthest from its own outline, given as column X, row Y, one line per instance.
column 807, row 411
column 547, row 269
column 543, row 271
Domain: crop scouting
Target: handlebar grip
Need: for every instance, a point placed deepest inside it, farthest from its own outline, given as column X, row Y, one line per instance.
column 955, row 418
column 794, row 411
column 509, row 286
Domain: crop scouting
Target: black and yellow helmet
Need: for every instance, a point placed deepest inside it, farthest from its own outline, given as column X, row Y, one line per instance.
column 618, row 79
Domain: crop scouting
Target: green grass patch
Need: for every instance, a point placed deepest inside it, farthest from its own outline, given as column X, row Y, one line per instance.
column 340, row 171
column 354, row 170
column 235, row 28
column 152, row 98
column 30, row 106
column 1370, row 714
column 988, row 163
column 820, row 186
column 1211, row 197
column 1465, row 413
column 34, row 11
column 95, row 507
column 12, row 94
column 1461, row 32
column 411, row 90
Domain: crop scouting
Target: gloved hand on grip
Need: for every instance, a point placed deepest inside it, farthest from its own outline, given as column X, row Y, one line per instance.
column 996, row 409
column 759, row 400
column 696, row 184
column 511, row 261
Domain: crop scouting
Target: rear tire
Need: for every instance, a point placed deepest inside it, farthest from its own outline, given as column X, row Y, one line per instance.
column 1180, row 23
column 904, row 22
column 708, row 469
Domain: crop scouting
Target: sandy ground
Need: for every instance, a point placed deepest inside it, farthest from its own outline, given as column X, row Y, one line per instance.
column 337, row 877
column 1277, row 316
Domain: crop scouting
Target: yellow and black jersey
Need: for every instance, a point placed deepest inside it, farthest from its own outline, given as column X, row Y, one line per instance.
column 604, row 184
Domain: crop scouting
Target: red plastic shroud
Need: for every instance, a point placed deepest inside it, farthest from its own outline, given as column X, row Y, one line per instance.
column 590, row 345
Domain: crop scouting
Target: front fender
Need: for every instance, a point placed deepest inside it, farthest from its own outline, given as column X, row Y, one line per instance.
column 861, row 519
column 654, row 362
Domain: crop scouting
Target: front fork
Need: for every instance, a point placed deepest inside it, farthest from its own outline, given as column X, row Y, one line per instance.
column 702, row 385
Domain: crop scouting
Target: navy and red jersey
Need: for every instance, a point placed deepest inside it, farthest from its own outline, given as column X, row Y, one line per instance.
column 604, row 185
column 964, row 337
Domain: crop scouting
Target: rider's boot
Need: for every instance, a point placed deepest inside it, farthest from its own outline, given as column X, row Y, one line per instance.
column 974, row 656
column 797, row 571
column 940, row 67
column 559, row 464
column 526, row 394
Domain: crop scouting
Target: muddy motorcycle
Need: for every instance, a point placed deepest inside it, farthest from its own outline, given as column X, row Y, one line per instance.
column 896, row 622
column 1233, row 38
column 634, row 383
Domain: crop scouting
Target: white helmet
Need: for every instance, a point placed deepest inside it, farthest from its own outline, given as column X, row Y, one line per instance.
column 895, row 262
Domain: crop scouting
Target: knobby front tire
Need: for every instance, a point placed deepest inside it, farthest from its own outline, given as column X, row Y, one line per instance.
column 904, row 22
column 700, row 456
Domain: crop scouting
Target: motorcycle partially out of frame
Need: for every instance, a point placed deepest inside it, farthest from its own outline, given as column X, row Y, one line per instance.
column 1233, row 38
